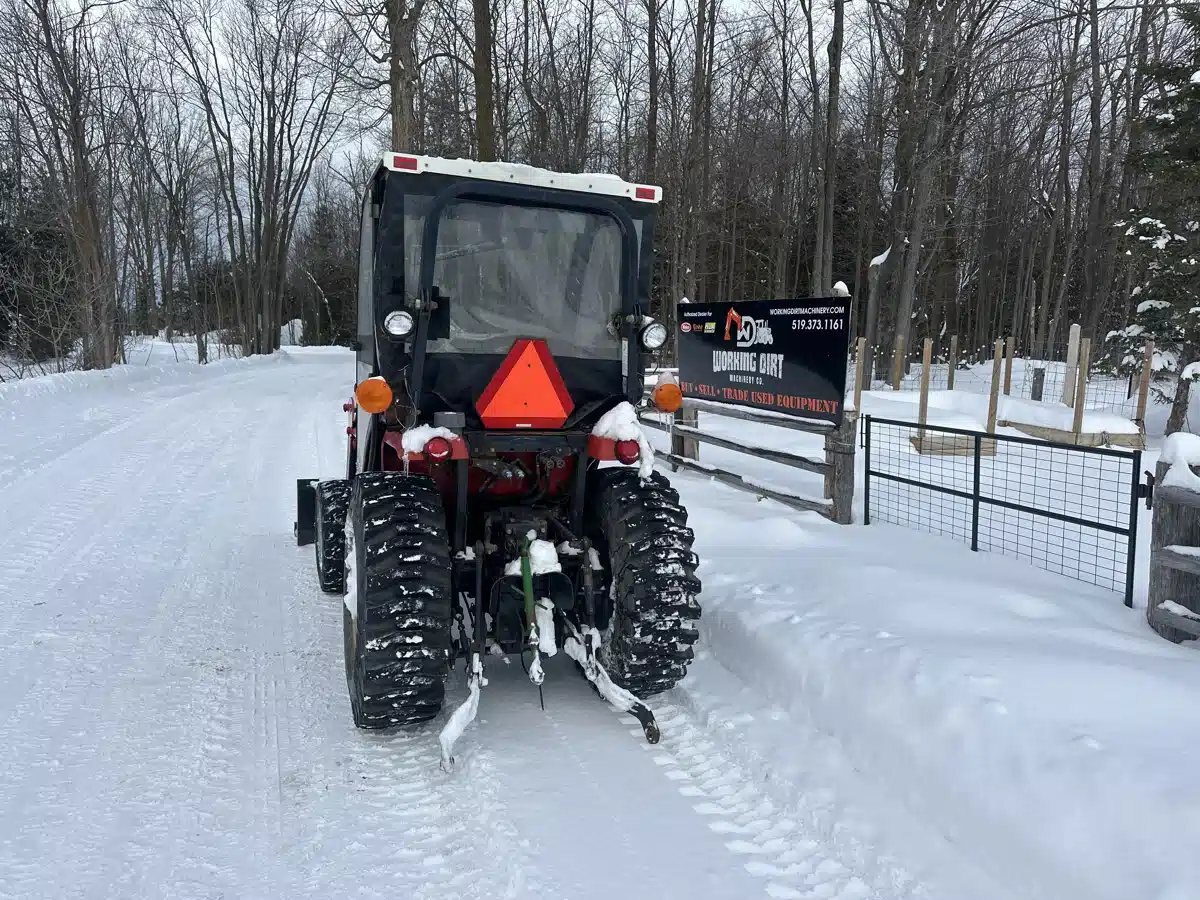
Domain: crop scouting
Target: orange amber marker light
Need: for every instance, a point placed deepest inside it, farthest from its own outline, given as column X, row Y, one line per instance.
column 668, row 397
column 373, row 395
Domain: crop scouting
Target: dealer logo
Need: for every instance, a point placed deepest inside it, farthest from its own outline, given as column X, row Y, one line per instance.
column 749, row 331
column 685, row 327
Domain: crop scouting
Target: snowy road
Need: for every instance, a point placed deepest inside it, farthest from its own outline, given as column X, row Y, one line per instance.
column 173, row 718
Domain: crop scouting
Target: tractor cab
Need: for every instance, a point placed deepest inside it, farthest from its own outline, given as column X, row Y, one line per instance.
column 462, row 259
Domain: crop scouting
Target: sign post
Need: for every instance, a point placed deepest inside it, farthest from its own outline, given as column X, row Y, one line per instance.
column 786, row 356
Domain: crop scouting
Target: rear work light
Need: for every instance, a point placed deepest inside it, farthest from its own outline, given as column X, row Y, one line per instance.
column 654, row 335
column 438, row 448
column 628, row 452
column 398, row 323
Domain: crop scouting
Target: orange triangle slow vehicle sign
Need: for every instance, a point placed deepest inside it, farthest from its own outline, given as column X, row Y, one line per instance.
column 527, row 390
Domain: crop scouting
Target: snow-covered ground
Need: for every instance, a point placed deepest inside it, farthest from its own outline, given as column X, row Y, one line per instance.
column 874, row 714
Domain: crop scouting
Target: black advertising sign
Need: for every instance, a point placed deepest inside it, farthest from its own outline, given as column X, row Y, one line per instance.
column 787, row 356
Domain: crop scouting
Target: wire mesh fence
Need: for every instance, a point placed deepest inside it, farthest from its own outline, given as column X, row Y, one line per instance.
column 1067, row 509
column 1046, row 380
column 1046, row 377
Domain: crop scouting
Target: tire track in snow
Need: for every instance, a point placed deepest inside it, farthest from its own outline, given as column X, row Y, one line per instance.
column 135, row 805
column 372, row 809
column 772, row 841
column 381, row 814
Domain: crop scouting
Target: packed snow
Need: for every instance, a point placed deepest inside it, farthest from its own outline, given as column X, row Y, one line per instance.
column 415, row 439
column 873, row 713
column 543, row 558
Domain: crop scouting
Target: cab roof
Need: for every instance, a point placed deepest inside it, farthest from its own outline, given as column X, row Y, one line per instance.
column 514, row 173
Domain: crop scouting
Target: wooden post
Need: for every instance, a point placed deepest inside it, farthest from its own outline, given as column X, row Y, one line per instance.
column 994, row 393
column 1144, row 385
column 953, row 362
column 897, row 363
column 682, row 445
column 839, row 477
column 926, row 365
column 1068, row 391
column 1009, row 349
column 1085, row 353
column 860, row 373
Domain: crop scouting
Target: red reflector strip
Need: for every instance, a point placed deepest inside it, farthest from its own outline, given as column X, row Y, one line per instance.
column 407, row 163
column 644, row 193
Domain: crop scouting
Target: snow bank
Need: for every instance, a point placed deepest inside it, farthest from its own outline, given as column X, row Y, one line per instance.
column 1033, row 721
column 1050, row 414
column 126, row 377
column 1181, row 447
column 1181, row 451
column 621, row 424
column 164, row 370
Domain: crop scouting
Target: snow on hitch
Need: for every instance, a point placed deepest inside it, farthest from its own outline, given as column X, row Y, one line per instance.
column 581, row 648
column 464, row 715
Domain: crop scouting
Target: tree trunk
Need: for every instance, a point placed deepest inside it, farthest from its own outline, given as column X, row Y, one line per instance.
column 402, row 74
column 1177, row 420
column 485, row 127
column 823, row 260
column 652, row 90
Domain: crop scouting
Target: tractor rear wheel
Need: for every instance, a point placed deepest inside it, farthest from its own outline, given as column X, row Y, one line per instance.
column 648, row 643
column 396, row 620
column 332, row 499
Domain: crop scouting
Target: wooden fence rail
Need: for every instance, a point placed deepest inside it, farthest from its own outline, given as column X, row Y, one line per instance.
column 837, row 467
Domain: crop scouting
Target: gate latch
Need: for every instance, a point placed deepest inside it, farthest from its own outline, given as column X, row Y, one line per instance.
column 1146, row 489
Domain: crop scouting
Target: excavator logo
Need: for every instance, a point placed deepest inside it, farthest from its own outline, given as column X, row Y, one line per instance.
column 749, row 331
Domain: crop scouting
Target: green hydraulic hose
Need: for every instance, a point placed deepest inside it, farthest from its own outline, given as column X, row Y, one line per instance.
column 527, row 587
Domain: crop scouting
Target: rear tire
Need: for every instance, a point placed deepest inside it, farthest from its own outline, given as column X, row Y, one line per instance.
column 397, row 641
column 333, row 497
column 648, row 643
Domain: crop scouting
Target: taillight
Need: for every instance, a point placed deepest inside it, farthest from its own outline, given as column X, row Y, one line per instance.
column 628, row 452
column 437, row 448
column 642, row 192
column 406, row 163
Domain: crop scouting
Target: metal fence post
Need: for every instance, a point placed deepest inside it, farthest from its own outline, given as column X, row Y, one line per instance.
column 867, row 471
column 1131, row 548
column 975, row 495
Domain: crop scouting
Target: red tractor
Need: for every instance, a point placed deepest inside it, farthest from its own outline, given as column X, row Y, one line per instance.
column 498, row 495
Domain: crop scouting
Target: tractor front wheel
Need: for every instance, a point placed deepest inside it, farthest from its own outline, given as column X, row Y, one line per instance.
column 648, row 643
column 332, row 499
column 397, row 612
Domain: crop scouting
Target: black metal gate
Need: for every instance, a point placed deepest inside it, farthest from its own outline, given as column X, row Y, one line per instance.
column 1067, row 509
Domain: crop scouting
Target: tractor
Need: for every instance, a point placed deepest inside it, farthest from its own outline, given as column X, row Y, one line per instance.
column 499, row 496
